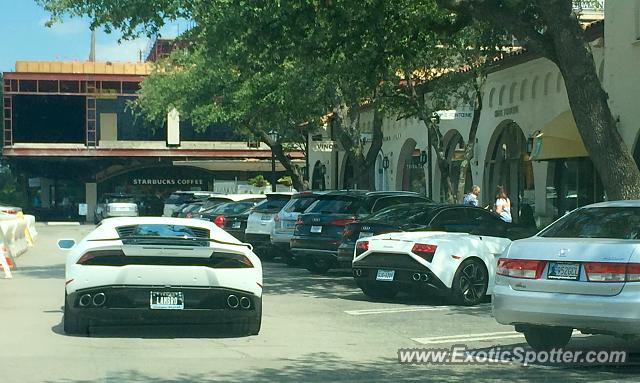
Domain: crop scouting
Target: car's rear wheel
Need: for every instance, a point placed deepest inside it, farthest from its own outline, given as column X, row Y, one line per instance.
column 319, row 265
column 470, row 283
column 543, row 338
column 73, row 324
column 377, row 292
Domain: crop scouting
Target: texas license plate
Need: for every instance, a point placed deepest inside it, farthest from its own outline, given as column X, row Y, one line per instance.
column 236, row 225
column 365, row 234
column 564, row 270
column 385, row 275
column 316, row 229
column 166, row 300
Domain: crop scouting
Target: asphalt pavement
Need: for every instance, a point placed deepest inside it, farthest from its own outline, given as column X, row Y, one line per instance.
column 315, row 328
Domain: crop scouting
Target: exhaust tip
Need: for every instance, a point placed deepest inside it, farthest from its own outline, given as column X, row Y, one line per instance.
column 416, row 276
column 424, row 277
column 233, row 301
column 357, row 272
column 99, row 299
column 245, row 302
column 85, row 300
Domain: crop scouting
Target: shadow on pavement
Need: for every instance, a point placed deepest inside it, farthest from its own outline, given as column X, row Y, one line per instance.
column 326, row 367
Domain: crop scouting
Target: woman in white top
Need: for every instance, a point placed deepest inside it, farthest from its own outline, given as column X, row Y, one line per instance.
column 502, row 206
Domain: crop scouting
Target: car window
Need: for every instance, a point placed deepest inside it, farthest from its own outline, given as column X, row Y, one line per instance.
column 178, row 198
column 120, row 199
column 299, row 204
column 394, row 200
column 233, row 207
column 272, row 204
column 408, row 213
column 452, row 219
column 336, row 205
column 603, row 222
column 486, row 223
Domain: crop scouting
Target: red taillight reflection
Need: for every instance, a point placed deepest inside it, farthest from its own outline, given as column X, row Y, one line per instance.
column 219, row 220
column 299, row 221
column 521, row 268
column 342, row 222
column 346, row 233
column 361, row 247
column 607, row 271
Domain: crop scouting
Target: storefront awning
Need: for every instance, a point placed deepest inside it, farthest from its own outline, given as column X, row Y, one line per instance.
column 559, row 139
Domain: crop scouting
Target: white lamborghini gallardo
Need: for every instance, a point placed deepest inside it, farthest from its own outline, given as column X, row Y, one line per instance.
column 142, row 270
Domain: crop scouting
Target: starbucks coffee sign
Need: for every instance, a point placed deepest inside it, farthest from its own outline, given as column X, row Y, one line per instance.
column 168, row 181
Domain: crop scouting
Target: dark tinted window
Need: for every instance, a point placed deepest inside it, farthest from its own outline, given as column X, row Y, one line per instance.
column 335, row 205
column 178, row 198
column 300, row 204
column 120, row 199
column 272, row 203
column 408, row 213
column 486, row 223
column 233, row 207
column 395, row 200
column 453, row 219
column 603, row 222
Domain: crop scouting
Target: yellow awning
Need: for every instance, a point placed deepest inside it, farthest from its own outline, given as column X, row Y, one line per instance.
column 559, row 139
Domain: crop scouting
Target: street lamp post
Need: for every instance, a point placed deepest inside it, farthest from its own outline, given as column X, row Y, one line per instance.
column 274, row 139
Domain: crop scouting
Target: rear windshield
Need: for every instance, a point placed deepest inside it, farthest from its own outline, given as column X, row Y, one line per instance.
column 120, row 199
column 335, row 205
column 233, row 207
column 159, row 233
column 602, row 222
column 299, row 204
column 407, row 213
column 272, row 203
column 178, row 198
column 214, row 201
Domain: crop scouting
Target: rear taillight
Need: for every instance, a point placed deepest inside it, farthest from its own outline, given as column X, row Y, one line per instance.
column 219, row 220
column 99, row 256
column 299, row 221
column 424, row 250
column 520, row 268
column 189, row 215
column 612, row 272
column 361, row 247
column 342, row 222
column 347, row 233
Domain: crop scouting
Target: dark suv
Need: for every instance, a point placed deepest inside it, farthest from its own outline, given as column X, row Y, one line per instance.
column 318, row 231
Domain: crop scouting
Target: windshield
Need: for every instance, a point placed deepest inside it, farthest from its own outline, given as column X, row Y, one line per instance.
column 335, row 205
column 271, row 204
column 407, row 213
column 604, row 222
column 299, row 204
column 178, row 198
column 233, row 207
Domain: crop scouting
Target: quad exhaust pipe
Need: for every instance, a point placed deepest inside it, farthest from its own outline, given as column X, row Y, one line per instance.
column 420, row 277
column 357, row 272
column 99, row 299
column 245, row 302
column 233, row 301
column 85, row 300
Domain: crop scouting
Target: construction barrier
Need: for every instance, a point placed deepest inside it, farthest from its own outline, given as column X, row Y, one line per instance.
column 17, row 234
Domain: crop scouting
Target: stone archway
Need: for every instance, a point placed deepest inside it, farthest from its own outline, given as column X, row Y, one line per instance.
column 410, row 172
column 507, row 163
column 318, row 181
column 454, row 154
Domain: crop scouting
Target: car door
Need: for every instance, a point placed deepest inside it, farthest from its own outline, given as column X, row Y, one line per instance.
column 491, row 228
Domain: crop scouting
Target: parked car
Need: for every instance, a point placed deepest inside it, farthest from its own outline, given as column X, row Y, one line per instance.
column 232, row 217
column 449, row 250
column 116, row 205
column 149, row 205
column 213, row 202
column 179, row 198
column 581, row 272
column 318, row 231
column 428, row 216
column 189, row 209
column 136, row 271
column 261, row 222
column 285, row 221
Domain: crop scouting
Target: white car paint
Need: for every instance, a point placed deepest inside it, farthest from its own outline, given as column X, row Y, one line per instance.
column 452, row 250
column 85, row 276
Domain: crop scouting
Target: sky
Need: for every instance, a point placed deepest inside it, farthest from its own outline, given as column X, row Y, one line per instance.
column 25, row 37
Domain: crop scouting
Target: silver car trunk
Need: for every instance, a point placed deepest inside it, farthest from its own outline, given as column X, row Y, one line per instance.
column 571, row 250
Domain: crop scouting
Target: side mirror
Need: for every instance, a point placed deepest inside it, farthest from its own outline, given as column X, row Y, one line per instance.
column 66, row 244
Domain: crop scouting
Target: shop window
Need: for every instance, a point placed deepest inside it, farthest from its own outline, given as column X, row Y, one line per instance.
column 575, row 183
column 524, row 87
column 69, row 86
column 48, row 86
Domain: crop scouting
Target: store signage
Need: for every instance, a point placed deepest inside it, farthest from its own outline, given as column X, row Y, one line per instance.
column 507, row 111
column 167, row 181
column 325, row 146
column 395, row 137
column 453, row 114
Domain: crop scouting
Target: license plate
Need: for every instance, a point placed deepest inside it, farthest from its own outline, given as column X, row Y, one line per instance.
column 266, row 217
column 564, row 270
column 288, row 225
column 316, row 229
column 166, row 300
column 236, row 225
column 385, row 275
column 365, row 234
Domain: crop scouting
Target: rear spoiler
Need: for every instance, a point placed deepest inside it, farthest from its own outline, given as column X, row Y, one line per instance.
column 183, row 239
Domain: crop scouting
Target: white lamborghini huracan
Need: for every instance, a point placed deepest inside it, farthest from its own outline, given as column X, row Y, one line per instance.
column 141, row 270
column 459, row 265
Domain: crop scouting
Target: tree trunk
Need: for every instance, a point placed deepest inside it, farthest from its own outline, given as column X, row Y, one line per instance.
column 471, row 141
column 609, row 153
column 292, row 170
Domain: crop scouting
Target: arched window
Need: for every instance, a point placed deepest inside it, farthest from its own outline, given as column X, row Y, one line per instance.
column 547, row 80
column 512, row 92
column 559, row 82
column 492, row 94
column 524, row 87
column 501, row 95
column 534, row 87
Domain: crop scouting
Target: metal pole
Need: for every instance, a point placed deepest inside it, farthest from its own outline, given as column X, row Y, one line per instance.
column 273, row 172
column 429, row 164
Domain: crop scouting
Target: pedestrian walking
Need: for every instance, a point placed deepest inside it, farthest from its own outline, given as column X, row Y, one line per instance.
column 471, row 198
column 502, row 207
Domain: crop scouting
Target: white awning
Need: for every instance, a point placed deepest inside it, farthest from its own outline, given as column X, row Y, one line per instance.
column 559, row 139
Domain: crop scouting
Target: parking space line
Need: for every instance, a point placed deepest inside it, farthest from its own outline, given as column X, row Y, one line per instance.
column 472, row 337
column 394, row 310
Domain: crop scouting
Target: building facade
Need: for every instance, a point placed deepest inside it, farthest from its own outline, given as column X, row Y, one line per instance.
column 527, row 140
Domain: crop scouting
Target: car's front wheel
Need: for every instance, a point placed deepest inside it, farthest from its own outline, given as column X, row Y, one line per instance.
column 543, row 338
column 470, row 283
column 73, row 324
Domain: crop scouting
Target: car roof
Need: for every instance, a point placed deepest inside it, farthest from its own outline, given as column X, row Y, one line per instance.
column 621, row 203
column 367, row 193
column 236, row 197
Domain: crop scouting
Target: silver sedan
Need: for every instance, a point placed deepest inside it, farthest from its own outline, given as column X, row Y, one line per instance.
column 581, row 272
